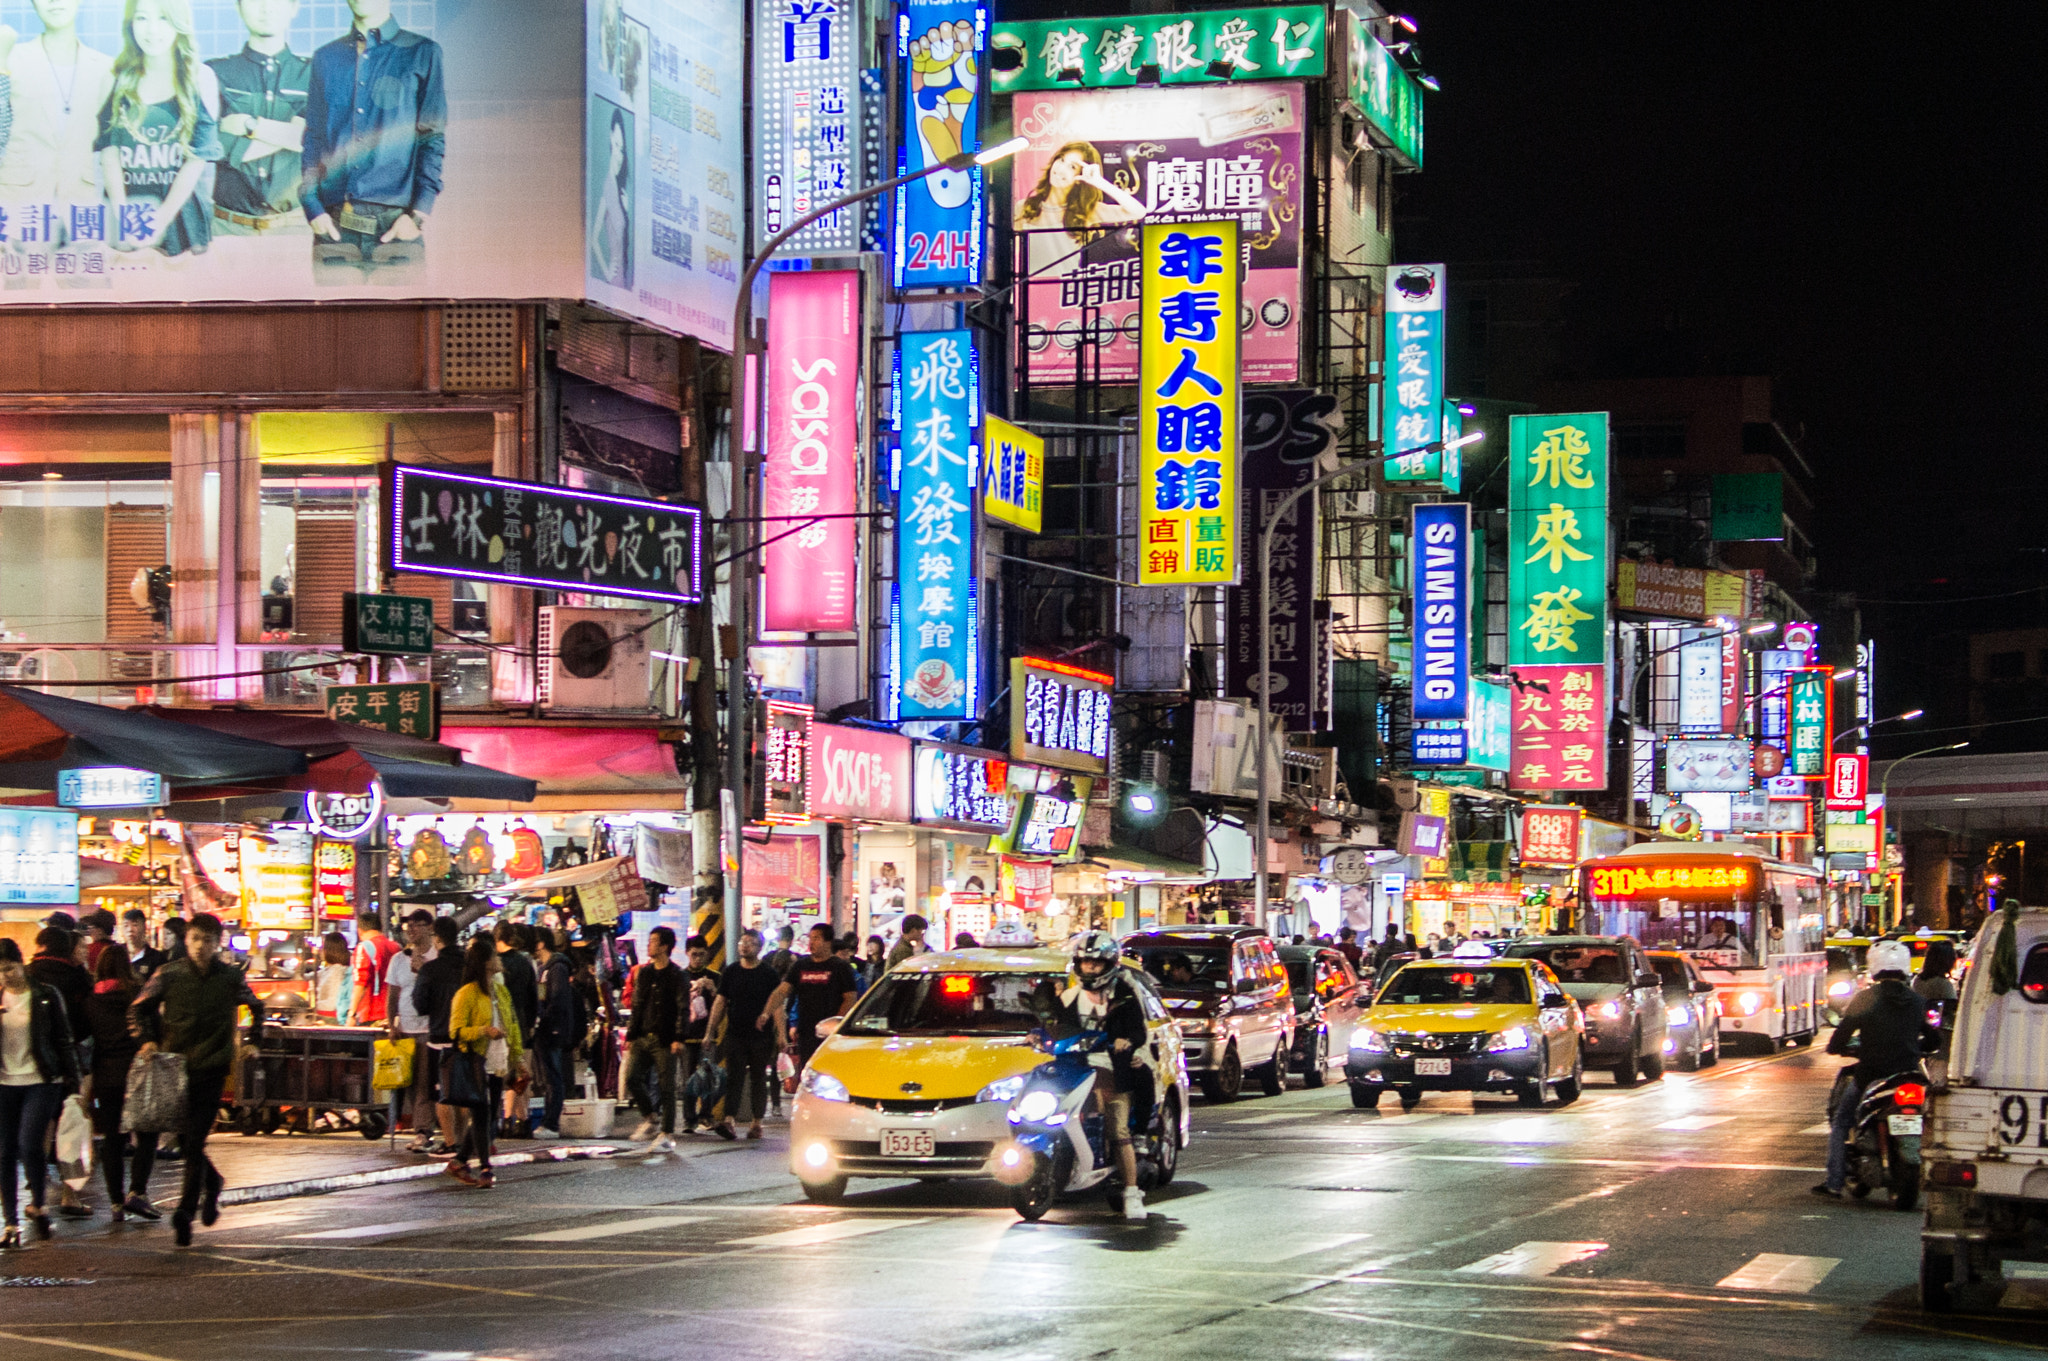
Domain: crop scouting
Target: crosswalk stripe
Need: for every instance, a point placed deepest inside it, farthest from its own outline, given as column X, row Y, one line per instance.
column 1275, row 1117
column 821, row 1233
column 373, row 1230
column 1533, row 1259
column 611, row 1230
column 1334, row 1241
column 1409, row 1118
column 1781, row 1272
column 1695, row 1122
column 1818, row 1129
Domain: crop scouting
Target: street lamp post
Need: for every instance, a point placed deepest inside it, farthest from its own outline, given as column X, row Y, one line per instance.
column 745, row 530
column 1884, row 788
column 1261, row 898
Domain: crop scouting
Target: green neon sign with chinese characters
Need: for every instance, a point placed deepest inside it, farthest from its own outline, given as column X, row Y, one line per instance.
column 1279, row 42
column 1557, row 539
column 1388, row 96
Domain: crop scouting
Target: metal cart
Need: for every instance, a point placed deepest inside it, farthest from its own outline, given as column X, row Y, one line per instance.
column 301, row 1072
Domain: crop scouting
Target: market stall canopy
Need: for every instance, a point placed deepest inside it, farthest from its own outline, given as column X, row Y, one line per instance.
column 605, row 889
column 582, row 769
column 343, row 757
column 313, row 735
column 42, row 734
column 575, row 876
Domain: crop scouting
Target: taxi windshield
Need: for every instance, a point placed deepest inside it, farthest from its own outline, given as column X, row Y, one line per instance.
column 1425, row 985
column 950, row 1004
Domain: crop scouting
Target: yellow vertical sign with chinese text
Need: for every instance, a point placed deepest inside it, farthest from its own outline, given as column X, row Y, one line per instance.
column 1013, row 489
column 1188, row 393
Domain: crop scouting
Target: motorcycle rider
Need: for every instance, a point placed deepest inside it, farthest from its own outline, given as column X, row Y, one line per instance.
column 1104, row 1000
column 1890, row 1021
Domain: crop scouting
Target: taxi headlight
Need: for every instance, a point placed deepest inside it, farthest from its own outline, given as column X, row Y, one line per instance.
column 1005, row 1090
column 824, row 1086
column 1036, row 1106
column 1369, row 1041
column 1678, row 1015
column 1508, row 1041
column 1841, row 987
column 1609, row 1011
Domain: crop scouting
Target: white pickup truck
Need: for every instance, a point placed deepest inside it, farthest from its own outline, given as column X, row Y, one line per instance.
column 1985, row 1148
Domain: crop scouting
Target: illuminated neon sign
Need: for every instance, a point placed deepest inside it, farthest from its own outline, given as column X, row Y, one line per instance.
column 1669, row 881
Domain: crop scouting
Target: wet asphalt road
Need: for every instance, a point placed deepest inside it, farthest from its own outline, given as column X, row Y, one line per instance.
column 1668, row 1221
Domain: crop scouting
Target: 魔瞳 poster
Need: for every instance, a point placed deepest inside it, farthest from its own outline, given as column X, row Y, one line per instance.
column 662, row 163
column 1099, row 161
column 242, row 150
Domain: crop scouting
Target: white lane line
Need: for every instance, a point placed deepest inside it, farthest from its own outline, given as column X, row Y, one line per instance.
column 1334, row 1241
column 1533, row 1259
column 611, row 1230
column 1692, row 1122
column 1818, row 1129
column 1781, row 1272
column 374, row 1230
column 820, row 1233
column 1409, row 1118
column 1273, row 1118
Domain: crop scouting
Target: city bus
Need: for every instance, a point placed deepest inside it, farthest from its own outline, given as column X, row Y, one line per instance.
column 1754, row 926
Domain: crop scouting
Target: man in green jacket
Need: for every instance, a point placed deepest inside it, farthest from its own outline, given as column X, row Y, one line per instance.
column 189, row 1007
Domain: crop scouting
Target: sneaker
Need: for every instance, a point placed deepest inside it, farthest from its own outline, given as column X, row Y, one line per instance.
column 1826, row 1190
column 437, row 1149
column 661, row 1143
column 1134, row 1204
column 725, row 1130
column 543, row 1132
column 646, row 1130
column 460, row 1171
column 486, row 1179
column 139, row 1206
column 74, row 1210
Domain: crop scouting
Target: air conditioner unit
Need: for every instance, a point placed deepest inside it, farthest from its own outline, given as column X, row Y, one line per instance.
column 594, row 661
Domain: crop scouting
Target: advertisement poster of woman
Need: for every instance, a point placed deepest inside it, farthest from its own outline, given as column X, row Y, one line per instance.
column 611, row 194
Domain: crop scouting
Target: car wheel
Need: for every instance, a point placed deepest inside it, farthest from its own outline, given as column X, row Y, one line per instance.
column 1568, row 1089
column 1318, row 1070
column 825, row 1192
column 1410, row 1100
column 1273, row 1072
column 1628, row 1072
column 1653, row 1067
column 1532, row 1095
column 1937, row 1275
column 1710, row 1057
column 1859, row 1190
column 1366, row 1098
column 1223, row 1085
column 1168, row 1161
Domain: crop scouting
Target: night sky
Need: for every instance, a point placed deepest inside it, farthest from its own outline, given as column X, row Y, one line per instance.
column 1833, row 195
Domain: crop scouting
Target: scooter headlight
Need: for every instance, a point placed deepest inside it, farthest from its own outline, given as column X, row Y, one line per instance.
column 822, row 1085
column 1841, row 988
column 1036, row 1106
column 1005, row 1090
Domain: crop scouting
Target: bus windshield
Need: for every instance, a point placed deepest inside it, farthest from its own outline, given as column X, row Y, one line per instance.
column 1727, row 931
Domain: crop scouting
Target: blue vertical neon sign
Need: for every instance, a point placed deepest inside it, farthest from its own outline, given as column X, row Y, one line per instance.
column 936, row 653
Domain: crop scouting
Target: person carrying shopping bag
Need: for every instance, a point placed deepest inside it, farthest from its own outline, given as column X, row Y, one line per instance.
column 38, row 1067
column 484, row 1032
column 113, row 1051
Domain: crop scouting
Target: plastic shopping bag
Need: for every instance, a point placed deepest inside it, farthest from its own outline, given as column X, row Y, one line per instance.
column 156, row 1095
column 74, row 1144
column 393, row 1070
column 785, row 1068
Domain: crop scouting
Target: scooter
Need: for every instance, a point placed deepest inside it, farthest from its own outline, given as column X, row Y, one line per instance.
column 1884, row 1143
column 1059, row 1145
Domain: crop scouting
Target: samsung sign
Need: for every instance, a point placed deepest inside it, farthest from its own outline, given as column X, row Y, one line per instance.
column 1441, row 573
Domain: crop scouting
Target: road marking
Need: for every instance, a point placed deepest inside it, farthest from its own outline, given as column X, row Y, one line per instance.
column 1781, row 1272
column 1695, row 1122
column 1274, row 1118
column 1319, row 1245
column 1818, row 1129
column 1409, row 1118
column 612, row 1230
column 83, row 1347
column 820, row 1233
column 374, row 1230
column 1533, row 1259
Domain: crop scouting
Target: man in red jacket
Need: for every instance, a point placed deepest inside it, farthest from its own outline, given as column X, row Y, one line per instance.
column 374, row 950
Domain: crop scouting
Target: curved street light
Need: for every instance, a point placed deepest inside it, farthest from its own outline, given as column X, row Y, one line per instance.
column 1884, row 788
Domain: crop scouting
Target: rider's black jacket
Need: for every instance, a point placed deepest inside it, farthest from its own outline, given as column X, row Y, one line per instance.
column 1889, row 1023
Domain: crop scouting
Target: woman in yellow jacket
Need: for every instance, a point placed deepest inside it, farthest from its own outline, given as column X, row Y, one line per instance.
column 485, row 1032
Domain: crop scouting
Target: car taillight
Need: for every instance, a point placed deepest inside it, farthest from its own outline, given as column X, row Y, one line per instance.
column 1909, row 1094
column 1952, row 1174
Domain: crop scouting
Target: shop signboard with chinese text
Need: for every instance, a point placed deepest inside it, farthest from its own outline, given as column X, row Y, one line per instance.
column 1264, row 43
column 1550, row 835
column 1439, row 545
column 1654, row 588
column 1379, row 88
column 1443, row 746
column 1412, row 386
column 1699, row 681
column 334, row 878
column 553, row 538
column 1732, row 667
column 785, row 782
column 936, row 654
column 1559, row 727
column 1422, row 834
column 1708, row 765
column 109, row 787
column 411, row 709
column 941, row 67
column 1491, row 725
column 1848, row 781
column 859, row 775
column 807, row 124
column 1059, row 714
column 1748, row 507
column 1286, row 434
column 1015, row 478
column 277, row 879
column 962, row 787
column 38, row 856
column 1557, row 539
column 1188, row 422
column 1104, row 166
column 1048, row 819
column 1810, row 697
column 812, row 459
column 386, row 625
column 663, row 163
column 1775, row 668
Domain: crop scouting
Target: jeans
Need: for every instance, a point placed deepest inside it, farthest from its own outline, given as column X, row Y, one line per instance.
column 695, row 1112
column 646, row 1052
column 202, row 1108
column 554, row 1066
column 25, row 1116
column 1841, row 1129
column 748, row 1052
column 418, row 1099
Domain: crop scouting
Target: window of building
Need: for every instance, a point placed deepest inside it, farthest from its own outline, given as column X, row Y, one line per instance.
column 1661, row 441
column 2005, row 665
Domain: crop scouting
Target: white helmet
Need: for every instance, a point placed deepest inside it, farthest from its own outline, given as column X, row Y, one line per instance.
column 1889, row 956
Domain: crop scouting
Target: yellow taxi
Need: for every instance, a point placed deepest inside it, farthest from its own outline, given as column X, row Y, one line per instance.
column 1469, row 1023
column 917, row 1079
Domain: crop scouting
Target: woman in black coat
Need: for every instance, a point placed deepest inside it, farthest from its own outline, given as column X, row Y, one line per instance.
column 38, row 1068
column 113, row 1050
